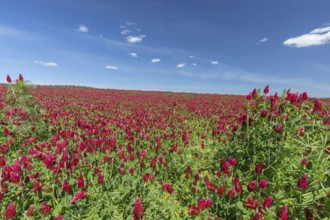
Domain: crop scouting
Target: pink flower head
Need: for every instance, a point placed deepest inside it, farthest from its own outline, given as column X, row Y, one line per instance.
column 10, row 211
column 79, row 195
column 17, row 167
column 278, row 128
column 264, row 113
column 151, row 177
column 221, row 190
column 20, row 77
column 302, row 132
column 309, row 214
column 14, row 177
column 303, row 182
column 60, row 217
column 211, row 186
column 266, row 89
column 80, row 181
column 304, row 161
column 317, row 105
column 145, row 177
column 254, row 92
column 226, row 168
column 138, row 210
column 2, row 161
column 249, row 96
column 204, row 203
column 8, row 79
column 168, row 188
column 219, row 173
column 250, row 203
column 258, row 168
column 30, row 211
column 44, row 208
column 188, row 170
column 232, row 192
column 252, row 186
column 66, row 186
column 232, row 161
column 263, row 183
column 237, row 184
column 100, row 179
column 193, row 210
column 283, row 213
column 268, row 202
column 305, row 96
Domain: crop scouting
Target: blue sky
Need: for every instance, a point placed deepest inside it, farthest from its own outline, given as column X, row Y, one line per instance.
column 206, row 46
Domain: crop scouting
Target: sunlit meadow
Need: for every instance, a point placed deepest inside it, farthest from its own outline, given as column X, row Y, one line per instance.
column 84, row 153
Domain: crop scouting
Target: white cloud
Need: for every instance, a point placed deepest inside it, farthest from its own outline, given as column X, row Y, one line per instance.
column 181, row 65
column 125, row 32
column 46, row 64
column 135, row 39
column 320, row 30
column 262, row 40
column 316, row 37
column 214, row 62
column 50, row 64
column 111, row 67
column 133, row 55
column 191, row 57
column 155, row 60
column 194, row 64
column 82, row 28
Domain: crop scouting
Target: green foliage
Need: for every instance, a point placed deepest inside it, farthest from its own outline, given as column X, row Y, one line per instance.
column 179, row 135
column 22, row 108
column 303, row 135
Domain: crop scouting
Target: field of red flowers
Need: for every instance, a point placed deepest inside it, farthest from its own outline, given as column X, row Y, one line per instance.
column 84, row 153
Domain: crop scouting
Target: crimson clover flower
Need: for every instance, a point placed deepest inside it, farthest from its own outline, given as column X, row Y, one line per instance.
column 20, row 77
column 80, row 181
column 221, row 190
column 44, row 208
column 258, row 168
column 232, row 192
column 278, row 128
column 268, row 202
column 204, row 203
column 100, row 179
column 263, row 183
column 138, row 210
column 250, row 203
column 79, row 195
column 10, row 211
column 30, row 211
column 303, row 182
column 193, row 210
column 283, row 213
column 266, row 89
column 237, row 184
column 8, row 79
column 309, row 214
column 252, row 186
column 168, row 188
column 66, row 186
